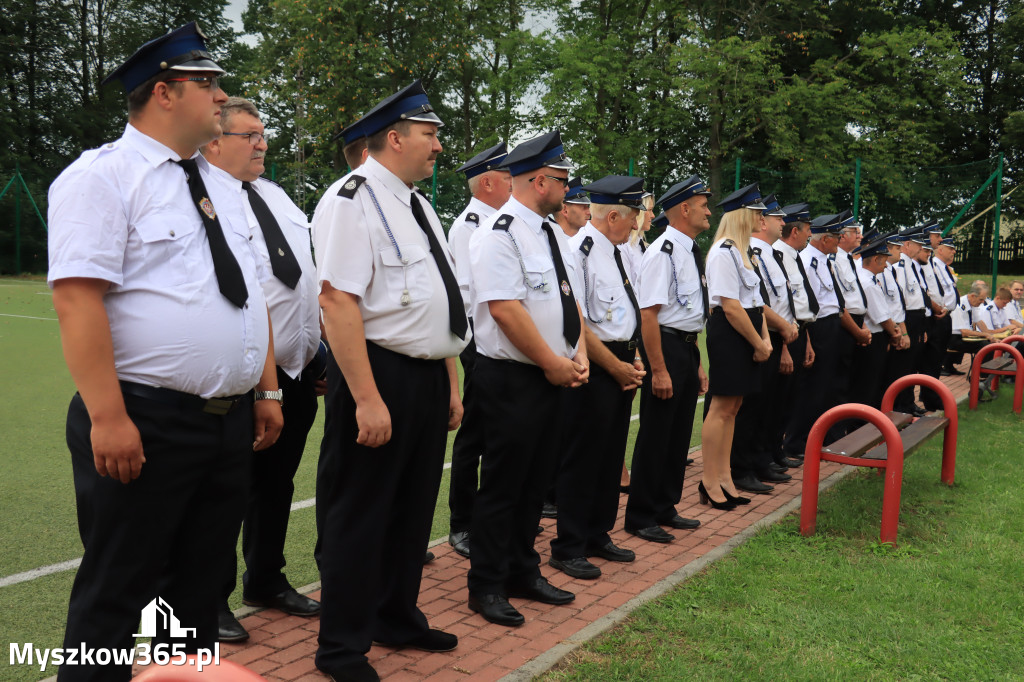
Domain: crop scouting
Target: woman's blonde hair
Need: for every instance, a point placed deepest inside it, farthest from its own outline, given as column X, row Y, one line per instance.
column 644, row 215
column 738, row 225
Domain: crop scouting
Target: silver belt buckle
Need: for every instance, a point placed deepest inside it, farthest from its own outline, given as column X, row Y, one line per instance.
column 218, row 406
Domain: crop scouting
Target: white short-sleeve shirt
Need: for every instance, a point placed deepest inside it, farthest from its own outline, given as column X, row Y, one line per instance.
column 878, row 309
column 669, row 278
column 816, row 265
column 893, row 294
column 911, row 282
column 846, row 275
column 607, row 309
column 775, row 282
column 458, row 241
column 728, row 277
column 801, row 302
column 123, row 213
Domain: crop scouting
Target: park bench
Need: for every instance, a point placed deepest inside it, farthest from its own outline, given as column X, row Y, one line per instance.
column 882, row 443
column 1011, row 364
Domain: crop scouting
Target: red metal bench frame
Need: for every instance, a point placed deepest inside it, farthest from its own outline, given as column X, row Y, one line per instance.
column 893, row 464
column 1018, row 374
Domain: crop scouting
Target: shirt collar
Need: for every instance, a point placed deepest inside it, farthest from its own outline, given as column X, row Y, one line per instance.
column 761, row 244
column 812, row 249
column 154, row 152
column 532, row 220
column 679, row 237
column 480, row 208
column 600, row 241
column 225, row 177
column 392, row 182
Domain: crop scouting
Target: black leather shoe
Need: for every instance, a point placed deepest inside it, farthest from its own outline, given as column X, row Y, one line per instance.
column 540, row 529
column 750, row 484
column 496, row 609
column 652, row 534
column 428, row 557
column 689, row 461
column 543, row 591
column 780, row 468
column 611, row 552
column 549, row 511
column 679, row 523
column 228, row 627
column 289, row 601
column 576, row 568
column 769, row 476
column 790, row 463
column 354, row 672
column 459, row 540
column 436, row 641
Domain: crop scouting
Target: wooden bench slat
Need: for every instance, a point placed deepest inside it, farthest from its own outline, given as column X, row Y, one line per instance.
column 1004, row 363
column 912, row 436
column 864, row 438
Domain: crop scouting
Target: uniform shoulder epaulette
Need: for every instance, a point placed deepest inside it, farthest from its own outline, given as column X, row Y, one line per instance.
column 503, row 222
column 586, row 245
column 814, row 262
column 727, row 244
column 348, row 190
column 902, row 264
column 473, row 218
column 989, row 306
column 666, row 246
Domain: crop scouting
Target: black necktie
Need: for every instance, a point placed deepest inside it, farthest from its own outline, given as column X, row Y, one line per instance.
column 899, row 290
column 643, row 245
column 457, row 321
column 952, row 283
column 921, row 283
column 789, row 290
column 282, row 260
column 835, row 285
column 229, row 275
column 853, row 268
column 570, row 315
column 812, row 300
column 938, row 283
column 760, row 278
column 629, row 292
column 970, row 316
column 698, row 258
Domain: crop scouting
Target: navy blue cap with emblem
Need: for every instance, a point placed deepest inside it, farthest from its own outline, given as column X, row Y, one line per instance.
column 826, row 224
column 919, row 238
column 661, row 221
column 878, row 247
column 772, row 208
column 797, row 213
column 408, row 104
column 948, row 241
column 692, row 186
column 576, row 193
column 747, row 197
column 542, row 151
column 183, row 49
column 894, row 238
column 932, row 226
column 487, row 160
column 352, row 132
column 617, row 190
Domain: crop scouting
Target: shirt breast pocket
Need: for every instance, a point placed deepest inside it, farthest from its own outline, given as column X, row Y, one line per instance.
column 688, row 294
column 749, row 279
column 608, row 298
column 408, row 275
column 170, row 248
column 540, row 277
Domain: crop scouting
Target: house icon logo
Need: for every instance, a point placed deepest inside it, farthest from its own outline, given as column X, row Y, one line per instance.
column 159, row 616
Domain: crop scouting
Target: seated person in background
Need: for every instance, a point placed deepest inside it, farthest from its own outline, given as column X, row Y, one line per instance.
column 966, row 337
column 994, row 316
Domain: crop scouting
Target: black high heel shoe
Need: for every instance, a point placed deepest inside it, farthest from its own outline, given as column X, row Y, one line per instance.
column 734, row 500
column 706, row 499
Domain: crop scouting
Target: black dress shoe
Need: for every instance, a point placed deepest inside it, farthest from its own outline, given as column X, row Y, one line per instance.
column 652, row 534
column 624, row 489
column 289, row 601
column 428, row 557
column 459, row 540
column 780, row 468
column 549, row 511
column 750, row 484
column 353, row 672
column 769, row 476
column 496, row 609
column 689, row 461
column 679, row 523
column 543, row 591
column 611, row 552
column 435, row 641
column 576, row 568
column 228, row 627
column 540, row 529
column 789, row 463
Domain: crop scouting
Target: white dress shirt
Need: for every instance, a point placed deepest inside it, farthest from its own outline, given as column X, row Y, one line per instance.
column 796, row 281
column 632, row 256
column 607, row 309
column 671, row 280
column 401, row 295
column 123, row 214
column 846, row 275
column 962, row 317
column 911, row 282
column 458, row 241
column 878, row 308
column 944, row 278
column 294, row 313
column 994, row 316
column 893, row 294
column 774, row 277
column 816, row 264
column 500, row 273
column 728, row 277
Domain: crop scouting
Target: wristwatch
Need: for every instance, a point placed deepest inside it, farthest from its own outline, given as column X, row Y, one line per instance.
column 277, row 395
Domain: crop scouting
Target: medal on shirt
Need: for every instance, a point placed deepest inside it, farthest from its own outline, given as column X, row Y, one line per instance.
column 206, row 206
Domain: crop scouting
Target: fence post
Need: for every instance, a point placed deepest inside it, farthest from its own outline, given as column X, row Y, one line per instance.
column 273, row 172
column 856, row 191
column 630, row 167
column 17, row 223
column 739, row 162
column 995, row 232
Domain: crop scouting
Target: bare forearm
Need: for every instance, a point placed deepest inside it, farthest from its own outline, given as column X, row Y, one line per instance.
column 651, row 331
column 599, row 353
column 345, row 333
column 268, row 379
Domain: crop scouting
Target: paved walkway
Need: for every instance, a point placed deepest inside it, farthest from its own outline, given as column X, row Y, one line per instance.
column 282, row 647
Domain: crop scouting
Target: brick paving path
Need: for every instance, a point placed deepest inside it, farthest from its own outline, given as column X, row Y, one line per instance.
column 281, row 647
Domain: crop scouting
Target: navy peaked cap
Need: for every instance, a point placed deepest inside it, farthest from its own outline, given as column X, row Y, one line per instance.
column 747, row 197
column 183, row 49
column 660, row 221
column 542, row 151
column 797, row 213
column 772, row 208
column 622, row 190
column 487, row 160
column 681, row 191
column 408, row 104
column 576, row 193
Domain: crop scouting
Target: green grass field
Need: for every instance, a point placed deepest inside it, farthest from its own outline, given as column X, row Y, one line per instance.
column 38, row 525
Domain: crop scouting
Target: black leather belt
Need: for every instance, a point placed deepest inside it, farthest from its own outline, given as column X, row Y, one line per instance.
column 803, row 324
column 623, row 350
column 688, row 337
column 916, row 313
column 169, row 396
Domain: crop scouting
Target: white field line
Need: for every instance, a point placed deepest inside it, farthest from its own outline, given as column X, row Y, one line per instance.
column 29, row 317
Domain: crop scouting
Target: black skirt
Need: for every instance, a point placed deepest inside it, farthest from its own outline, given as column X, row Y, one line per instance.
column 730, row 357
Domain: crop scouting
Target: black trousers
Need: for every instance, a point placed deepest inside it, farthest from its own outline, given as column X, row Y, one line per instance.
column 903, row 362
column 663, row 441
column 933, row 355
column 467, row 449
column 588, row 478
column 957, row 348
column 752, row 450
column 521, row 412
column 781, row 408
column 270, row 496
column 813, row 395
column 155, row 536
column 869, row 371
column 843, row 380
column 378, row 507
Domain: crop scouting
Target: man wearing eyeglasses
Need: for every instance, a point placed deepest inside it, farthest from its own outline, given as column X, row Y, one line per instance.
column 279, row 234
column 166, row 334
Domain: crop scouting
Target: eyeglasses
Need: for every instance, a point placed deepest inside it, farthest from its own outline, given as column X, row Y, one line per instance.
column 212, row 80
column 254, row 138
column 564, row 181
